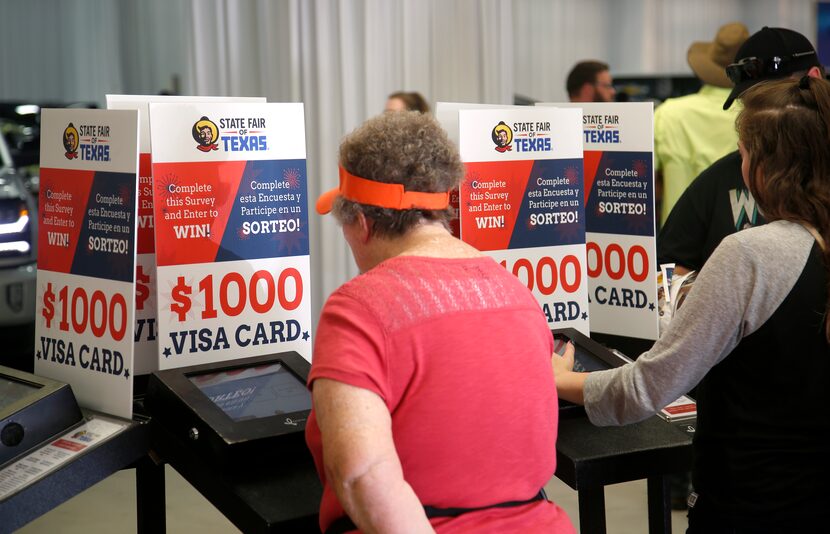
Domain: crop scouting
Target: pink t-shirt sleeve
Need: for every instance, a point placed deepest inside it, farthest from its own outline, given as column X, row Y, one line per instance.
column 349, row 346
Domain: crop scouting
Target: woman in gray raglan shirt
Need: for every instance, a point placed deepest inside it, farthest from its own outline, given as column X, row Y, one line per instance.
column 753, row 332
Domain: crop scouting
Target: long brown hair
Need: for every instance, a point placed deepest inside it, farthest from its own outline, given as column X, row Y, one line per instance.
column 785, row 127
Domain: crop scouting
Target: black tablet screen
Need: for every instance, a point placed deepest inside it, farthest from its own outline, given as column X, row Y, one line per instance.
column 584, row 361
column 254, row 392
column 12, row 391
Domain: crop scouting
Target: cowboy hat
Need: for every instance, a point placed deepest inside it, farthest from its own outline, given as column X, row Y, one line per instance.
column 709, row 60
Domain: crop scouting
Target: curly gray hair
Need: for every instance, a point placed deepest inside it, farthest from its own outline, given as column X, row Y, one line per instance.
column 408, row 148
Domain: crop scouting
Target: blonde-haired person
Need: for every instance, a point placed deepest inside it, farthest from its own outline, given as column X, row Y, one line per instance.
column 422, row 362
column 693, row 131
column 754, row 331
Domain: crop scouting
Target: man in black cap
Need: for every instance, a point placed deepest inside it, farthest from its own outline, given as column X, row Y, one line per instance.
column 718, row 203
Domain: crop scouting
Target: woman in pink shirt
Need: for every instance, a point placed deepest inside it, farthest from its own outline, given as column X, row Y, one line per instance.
column 434, row 405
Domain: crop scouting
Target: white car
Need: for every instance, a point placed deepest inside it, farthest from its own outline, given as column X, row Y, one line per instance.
column 18, row 245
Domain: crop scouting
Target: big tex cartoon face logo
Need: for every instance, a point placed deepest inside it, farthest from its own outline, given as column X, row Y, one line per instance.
column 70, row 141
column 206, row 133
column 502, row 136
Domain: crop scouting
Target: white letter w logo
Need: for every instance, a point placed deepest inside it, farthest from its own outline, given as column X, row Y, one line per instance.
column 744, row 210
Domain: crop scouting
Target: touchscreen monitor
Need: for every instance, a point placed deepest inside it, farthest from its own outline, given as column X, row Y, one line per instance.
column 33, row 410
column 588, row 356
column 254, row 392
column 12, row 391
column 235, row 410
column 584, row 361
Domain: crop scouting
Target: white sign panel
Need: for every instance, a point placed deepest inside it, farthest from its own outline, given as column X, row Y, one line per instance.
column 620, row 224
column 521, row 202
column 231, row 223
column 86, row 259
column 146, row 328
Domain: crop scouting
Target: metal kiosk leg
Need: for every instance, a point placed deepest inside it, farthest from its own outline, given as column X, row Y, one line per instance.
column 592, row 510
column 150, row 497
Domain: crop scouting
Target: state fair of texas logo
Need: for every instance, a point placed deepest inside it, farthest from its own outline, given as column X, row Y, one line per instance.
column 71, row 141
column 206, row 133
column 502, row 136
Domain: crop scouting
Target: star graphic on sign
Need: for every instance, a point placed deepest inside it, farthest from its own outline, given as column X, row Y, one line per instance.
column 292, row 176
column 166, row 352
column 651, row 306
column 305, row 335
column 127, row 374
column 38, row 355
column 584, row 315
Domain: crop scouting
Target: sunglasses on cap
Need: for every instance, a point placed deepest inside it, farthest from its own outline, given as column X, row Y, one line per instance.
column 753, row 68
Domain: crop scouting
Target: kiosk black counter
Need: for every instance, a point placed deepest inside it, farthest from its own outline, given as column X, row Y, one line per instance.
column 33, row 409
column 235, row 431
column 590, row 457
column 272, row 493
column 51, row 450
column 49, row 475
column 277, row 489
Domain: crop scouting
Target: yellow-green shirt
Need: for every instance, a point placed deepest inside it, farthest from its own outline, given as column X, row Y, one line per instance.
column 690, row 133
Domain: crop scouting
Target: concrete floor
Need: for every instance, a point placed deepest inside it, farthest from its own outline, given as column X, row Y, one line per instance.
column 110, row 506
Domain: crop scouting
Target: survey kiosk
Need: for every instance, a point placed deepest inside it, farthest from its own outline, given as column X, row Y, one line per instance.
column 33, row 409
column 233, row 409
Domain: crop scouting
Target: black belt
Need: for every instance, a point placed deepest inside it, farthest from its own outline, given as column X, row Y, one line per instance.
column 345, row 524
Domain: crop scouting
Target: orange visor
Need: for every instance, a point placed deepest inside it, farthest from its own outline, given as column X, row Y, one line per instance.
column 379, row 194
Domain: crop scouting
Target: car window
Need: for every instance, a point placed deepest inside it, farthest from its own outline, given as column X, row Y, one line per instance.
column 5, row 155
column 9, row 188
